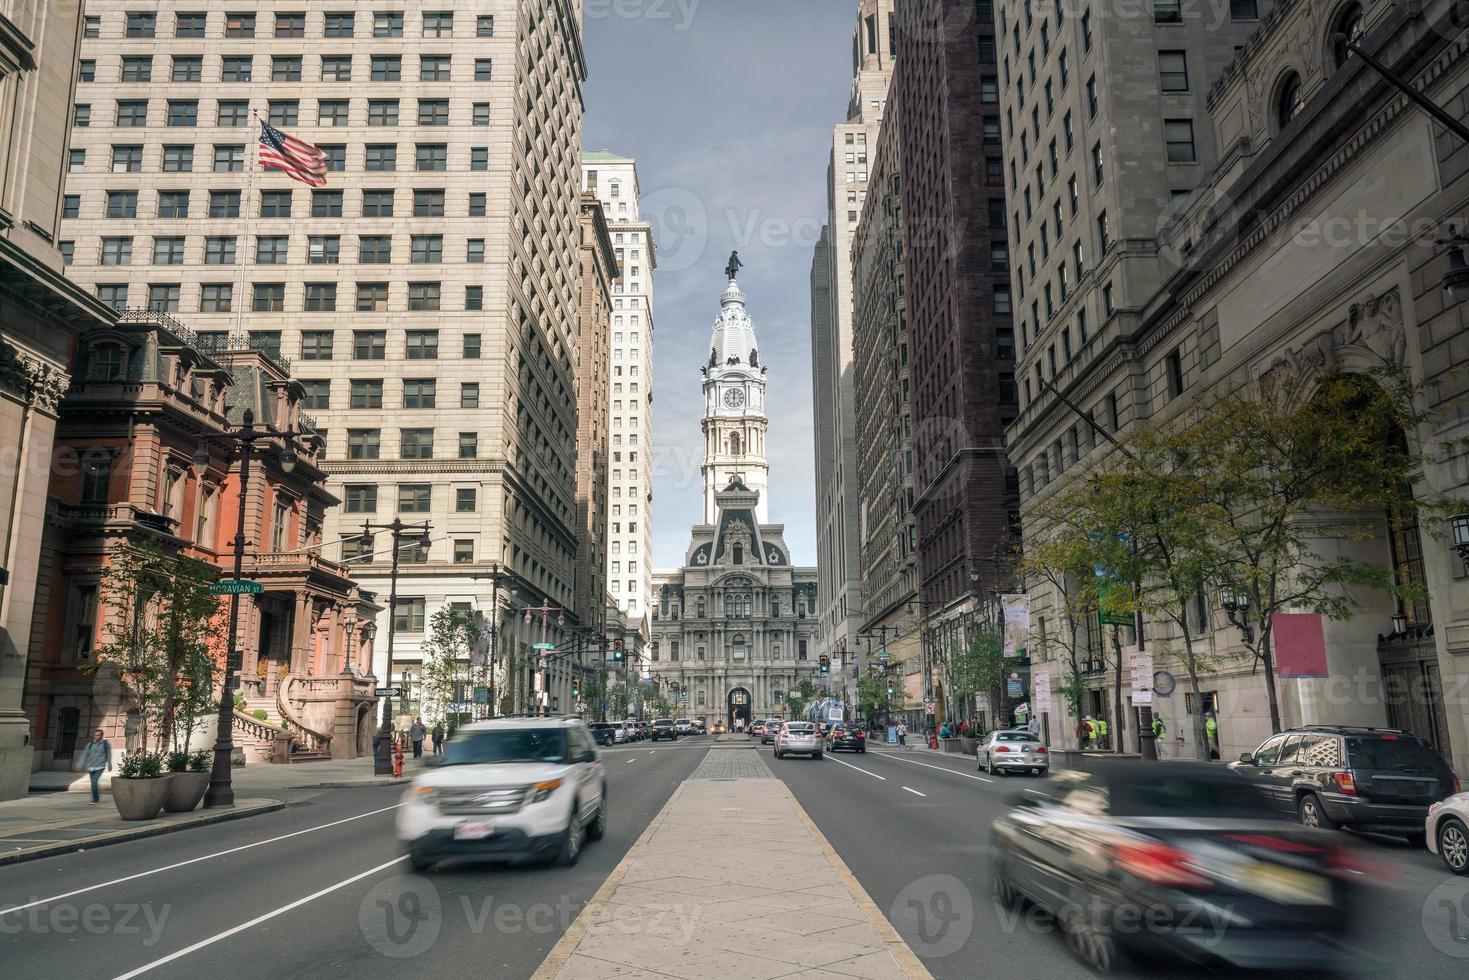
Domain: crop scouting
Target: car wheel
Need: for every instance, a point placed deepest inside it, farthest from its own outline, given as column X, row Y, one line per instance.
column 419, row 861
column 1090, row 940
column 1005, row 892
column 817, row 756
column 863, row 750
column 979, row 764
column 597, row 829
column 998, row 770
column 1453, row 845
column 1313, row 814
column 570, row 848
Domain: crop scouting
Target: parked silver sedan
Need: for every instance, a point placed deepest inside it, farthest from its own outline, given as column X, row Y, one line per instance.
column 800, row 738
column 1016, row 751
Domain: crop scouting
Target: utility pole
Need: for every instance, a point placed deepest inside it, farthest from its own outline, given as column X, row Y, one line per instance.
column 382, row 763
column 543, row 696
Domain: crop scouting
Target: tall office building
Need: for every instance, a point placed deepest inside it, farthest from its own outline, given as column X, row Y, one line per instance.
column 957, row 303
column 40, row 317
column 614, row 179
column 840, row 600
column 594, row 362
column 427, row 294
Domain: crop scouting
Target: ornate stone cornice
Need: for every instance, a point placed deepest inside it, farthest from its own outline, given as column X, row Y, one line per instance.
column 32, row 380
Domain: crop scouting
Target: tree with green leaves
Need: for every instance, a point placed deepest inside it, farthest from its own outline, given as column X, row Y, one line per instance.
column 452, row 636
column 164, row 636
column 1061, row 557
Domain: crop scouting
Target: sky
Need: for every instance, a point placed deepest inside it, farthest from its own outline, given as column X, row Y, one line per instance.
column 728, row 107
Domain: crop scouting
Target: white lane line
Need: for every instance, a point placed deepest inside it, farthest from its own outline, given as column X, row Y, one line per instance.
column 858, row 768
column 955, row 772
column 259, row 919
column 631, row 761
column 206, row 857
column 914, row 791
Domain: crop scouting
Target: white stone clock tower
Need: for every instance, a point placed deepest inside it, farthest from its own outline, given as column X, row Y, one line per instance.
column 734, row 405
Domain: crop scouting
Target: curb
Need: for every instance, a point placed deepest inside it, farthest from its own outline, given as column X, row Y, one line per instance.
column 118, row 836
column 566, row 946
column 354, row 784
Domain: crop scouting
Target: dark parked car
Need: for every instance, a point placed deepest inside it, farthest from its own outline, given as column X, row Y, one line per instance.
column 604, row 732
column 664, row 728
column 1182, row 858
column 845, row 736
column 1330, row 776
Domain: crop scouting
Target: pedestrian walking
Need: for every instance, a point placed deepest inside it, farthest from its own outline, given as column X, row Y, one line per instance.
column 416, row 732
column 438, row 738
column 1089, row 724
column 1211, row 733
column 97, row 758
column 903, row 734
column 1160, row 735
column 1102, row 742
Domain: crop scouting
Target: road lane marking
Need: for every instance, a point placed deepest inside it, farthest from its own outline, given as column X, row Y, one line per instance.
column 914, row 791
column 631, row 761
column 884, row 755
column 181, row 864
column 259, row 919
column 858, row 768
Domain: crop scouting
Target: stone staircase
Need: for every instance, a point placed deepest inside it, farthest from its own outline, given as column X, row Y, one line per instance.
column 299, row 753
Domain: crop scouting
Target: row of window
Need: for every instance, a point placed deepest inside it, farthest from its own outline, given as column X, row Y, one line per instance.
column 138, row 68
column 368, row 393
column 374, row 203
column 284, row 24
column 230, row 113
column 737, row 651
column 412, row 498
column 230, row 158
column 275, row 250
column 270, row 297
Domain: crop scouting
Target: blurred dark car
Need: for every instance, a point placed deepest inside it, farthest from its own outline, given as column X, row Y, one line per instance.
column 769, row 732
column 604, row 732
column 1377, row 779
column 846, row 736
column 1183, row 859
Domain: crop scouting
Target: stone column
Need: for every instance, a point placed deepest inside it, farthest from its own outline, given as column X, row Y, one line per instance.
column 301, row 633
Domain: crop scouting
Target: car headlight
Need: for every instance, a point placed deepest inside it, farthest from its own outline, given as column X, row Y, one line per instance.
column 541, row 792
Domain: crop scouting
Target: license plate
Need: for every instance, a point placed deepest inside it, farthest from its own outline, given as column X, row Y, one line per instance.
column 473, row 831
column 1287, row 886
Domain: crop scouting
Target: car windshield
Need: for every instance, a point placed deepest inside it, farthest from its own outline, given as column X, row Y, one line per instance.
column 507, row 745
column 1015, row 737
column 1170, row 795
column 1407, row 754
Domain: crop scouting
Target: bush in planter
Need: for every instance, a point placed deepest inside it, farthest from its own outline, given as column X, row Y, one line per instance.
column 261, row 714
column 178, row 762
column 140, row 788
column 189, row 782
column 199, row 761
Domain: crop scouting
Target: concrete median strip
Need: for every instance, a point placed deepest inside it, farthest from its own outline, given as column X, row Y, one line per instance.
column 732, row 878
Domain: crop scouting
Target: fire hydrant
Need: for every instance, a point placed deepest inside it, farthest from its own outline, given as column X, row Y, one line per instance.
column 933, row 741
column 398, row 758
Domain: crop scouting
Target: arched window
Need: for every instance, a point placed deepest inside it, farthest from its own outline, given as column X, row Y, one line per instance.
column 1290, row 101
column 1348, row 26
column 734, row 444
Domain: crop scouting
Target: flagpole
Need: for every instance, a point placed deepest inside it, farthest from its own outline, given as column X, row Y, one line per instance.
column 246, row 206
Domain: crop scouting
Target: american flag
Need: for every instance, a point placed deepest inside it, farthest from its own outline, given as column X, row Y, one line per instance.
column 299, row 159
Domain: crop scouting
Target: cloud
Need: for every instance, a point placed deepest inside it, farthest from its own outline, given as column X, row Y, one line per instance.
column 731, row 115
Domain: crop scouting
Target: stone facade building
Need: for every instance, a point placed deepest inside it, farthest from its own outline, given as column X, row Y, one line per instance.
column 145, row 391
column 1312, row 250
column 614, row 179
column 838, row 519
column 427, row 294
column 598, row 268
column 734, row 629
column 41, row 314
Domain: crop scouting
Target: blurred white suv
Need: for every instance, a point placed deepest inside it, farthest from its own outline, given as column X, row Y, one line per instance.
column 509, row 789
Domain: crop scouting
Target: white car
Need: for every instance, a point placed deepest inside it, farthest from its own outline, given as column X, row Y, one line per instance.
column 798, row 738
column 684, row 726
column 1447, row 830
column 507, row 789
column 1017, row 750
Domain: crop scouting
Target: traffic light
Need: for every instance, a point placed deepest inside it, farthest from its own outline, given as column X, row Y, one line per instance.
column 616, row 649
column 890, row 688
column 575, row 689
column 825, row 664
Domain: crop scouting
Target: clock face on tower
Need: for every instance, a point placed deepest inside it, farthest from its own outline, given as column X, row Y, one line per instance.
column 734, row 398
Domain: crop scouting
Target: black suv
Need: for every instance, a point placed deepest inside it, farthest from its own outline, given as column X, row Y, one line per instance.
column 1379, row 779
column 846, row 736
column 663, row 728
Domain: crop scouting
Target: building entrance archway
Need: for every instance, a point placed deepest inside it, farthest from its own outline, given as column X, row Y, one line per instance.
column 738, row 708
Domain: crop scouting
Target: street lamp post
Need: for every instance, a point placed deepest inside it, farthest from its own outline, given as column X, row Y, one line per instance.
column 543, row 695
column 382, row 763
column 221, row 792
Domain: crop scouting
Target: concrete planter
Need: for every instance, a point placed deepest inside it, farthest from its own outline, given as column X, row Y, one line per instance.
column 185, row 790
column 139, row 799
column 971, row 745
column 951, row 746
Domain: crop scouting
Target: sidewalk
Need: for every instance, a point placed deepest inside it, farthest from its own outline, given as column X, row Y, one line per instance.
column 258, row 777
column 731, row 879
column 45, row 824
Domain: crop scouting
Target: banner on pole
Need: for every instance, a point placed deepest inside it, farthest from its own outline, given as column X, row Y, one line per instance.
column 1017, row 623
column 1040, row 690
column 1140, row 675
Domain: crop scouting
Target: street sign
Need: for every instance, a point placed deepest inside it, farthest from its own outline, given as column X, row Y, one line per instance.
column 928, row 706
column 884, row 655
column 543, row 646
column 1140, row 673
column 387, row 692
column 481, row 695
column 230, row 586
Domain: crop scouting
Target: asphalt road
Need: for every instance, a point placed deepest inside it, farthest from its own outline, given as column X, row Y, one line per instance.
column 914, row 829
column 319, row 889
